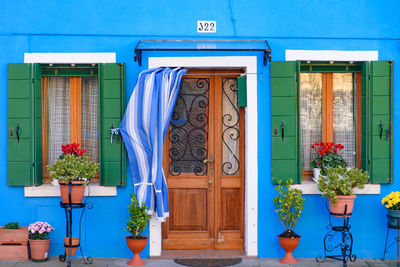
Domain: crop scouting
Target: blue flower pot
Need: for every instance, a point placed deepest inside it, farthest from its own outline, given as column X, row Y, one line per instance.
column 394, row 218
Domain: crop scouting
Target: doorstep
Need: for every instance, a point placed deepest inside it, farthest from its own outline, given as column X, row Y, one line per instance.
column 203, row 254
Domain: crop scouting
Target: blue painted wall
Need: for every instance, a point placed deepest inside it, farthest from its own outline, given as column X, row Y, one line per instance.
column 117, row 26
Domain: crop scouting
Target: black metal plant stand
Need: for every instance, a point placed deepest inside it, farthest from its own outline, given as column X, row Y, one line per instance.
column 68, row 207
column 338, row 239
column 393, row 223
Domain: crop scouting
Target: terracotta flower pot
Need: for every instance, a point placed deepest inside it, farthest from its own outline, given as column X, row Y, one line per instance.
column 39, row 249
column 136, row 245
column 74, row 243
column 288, row 244
column 341, row 203
column 77, row 192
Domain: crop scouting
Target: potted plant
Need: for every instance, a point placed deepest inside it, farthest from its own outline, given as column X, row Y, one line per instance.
column 392, row 204
column 72, row 169
column 327, row 155
column 38, row 242
column 138, row 220
column 16, row 240
column 288, row 204
column 338, row 185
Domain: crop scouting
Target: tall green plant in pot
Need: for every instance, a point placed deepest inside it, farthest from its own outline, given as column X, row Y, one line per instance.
column 338, row 185
column 289, row 204
column 138, row 220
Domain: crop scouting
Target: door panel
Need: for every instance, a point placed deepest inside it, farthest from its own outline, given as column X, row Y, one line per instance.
column 188, row 142
column 204, row 165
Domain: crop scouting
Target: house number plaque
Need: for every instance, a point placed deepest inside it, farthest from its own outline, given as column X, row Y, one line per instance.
column 206, row 26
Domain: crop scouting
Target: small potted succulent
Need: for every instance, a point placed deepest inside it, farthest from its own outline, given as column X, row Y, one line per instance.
column 327, row 155
column 73, row 169
column 289, row 204
column 38, row 241
column 392, row 204
column 338, row 185
column 138, row 220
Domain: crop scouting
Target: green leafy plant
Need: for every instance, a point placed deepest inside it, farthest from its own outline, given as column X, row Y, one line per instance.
column 73, row 168
column 341, row 181
column 289, row 204
column 327, row 155
column 11, row 225
column 138, row 218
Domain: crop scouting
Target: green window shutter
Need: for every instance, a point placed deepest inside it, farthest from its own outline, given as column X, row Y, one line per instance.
column 381, row 113
column 112, row 107
column 285, row 155
column 24, row 117
column 242, row 91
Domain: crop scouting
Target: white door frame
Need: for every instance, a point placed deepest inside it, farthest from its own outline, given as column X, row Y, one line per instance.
column 249, row 63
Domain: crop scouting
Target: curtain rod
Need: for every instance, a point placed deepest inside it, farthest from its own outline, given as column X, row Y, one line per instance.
column 237, row 73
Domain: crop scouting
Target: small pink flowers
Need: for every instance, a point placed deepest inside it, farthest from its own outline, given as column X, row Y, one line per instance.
column 39, row 230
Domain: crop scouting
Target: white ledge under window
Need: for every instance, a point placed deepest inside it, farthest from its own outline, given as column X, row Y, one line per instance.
column 311, row 188
column 49, row 190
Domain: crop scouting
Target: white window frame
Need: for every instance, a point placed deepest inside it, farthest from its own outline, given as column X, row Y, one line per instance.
column 310, row 187
column 249, row 63
column 49, row 190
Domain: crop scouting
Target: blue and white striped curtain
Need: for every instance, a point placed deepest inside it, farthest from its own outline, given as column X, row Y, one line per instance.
column 143, row 130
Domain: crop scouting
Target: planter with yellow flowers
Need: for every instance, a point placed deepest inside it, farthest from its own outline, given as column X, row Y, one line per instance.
column 392, row 204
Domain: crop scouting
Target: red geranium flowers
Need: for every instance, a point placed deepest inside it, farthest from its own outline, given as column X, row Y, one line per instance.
column 72, row 149
column 327, row 156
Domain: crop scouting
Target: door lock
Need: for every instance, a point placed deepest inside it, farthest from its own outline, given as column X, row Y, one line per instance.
column 211, row 161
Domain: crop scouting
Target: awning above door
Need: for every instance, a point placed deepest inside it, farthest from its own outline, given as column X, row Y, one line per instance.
column 203, row 45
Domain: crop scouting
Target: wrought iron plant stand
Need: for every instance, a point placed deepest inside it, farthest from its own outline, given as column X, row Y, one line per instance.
column 338, row 241
column 68, row 208
column 392, row 223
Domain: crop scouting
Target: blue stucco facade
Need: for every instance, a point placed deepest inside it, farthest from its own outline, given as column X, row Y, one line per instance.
column 117, row 26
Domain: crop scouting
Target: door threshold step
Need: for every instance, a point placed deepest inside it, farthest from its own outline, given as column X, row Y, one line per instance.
column 202, row 254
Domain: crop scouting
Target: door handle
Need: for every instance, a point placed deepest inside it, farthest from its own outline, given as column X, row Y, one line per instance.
column 211, row 161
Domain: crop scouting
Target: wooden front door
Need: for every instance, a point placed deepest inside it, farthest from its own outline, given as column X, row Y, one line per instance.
column 204, row 164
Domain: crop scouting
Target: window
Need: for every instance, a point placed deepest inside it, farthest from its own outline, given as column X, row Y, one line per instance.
column 50, row 105
column 329, row 113
column 343, row 102
column 70, row 114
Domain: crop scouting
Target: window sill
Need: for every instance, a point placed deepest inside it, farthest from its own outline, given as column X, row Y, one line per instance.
column 49, row 190
column 311, row 188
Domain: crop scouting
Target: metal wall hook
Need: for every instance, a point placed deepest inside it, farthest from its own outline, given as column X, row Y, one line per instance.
column 381, row 127
column 283, row 131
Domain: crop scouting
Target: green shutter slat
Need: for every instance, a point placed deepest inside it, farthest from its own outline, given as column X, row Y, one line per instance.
column 112, row 106
column 242, row 91
column 19, row 154
column 381, row 111
column 285, row 161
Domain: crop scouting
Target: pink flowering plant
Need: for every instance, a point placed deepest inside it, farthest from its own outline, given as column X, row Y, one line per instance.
column 39, row 230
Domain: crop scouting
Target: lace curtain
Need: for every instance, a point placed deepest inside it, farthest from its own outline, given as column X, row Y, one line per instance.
column 343, row 115
column 90, row 117
column 310, row 115
column 58, row 110
column 344, row 129
column 58, row 116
